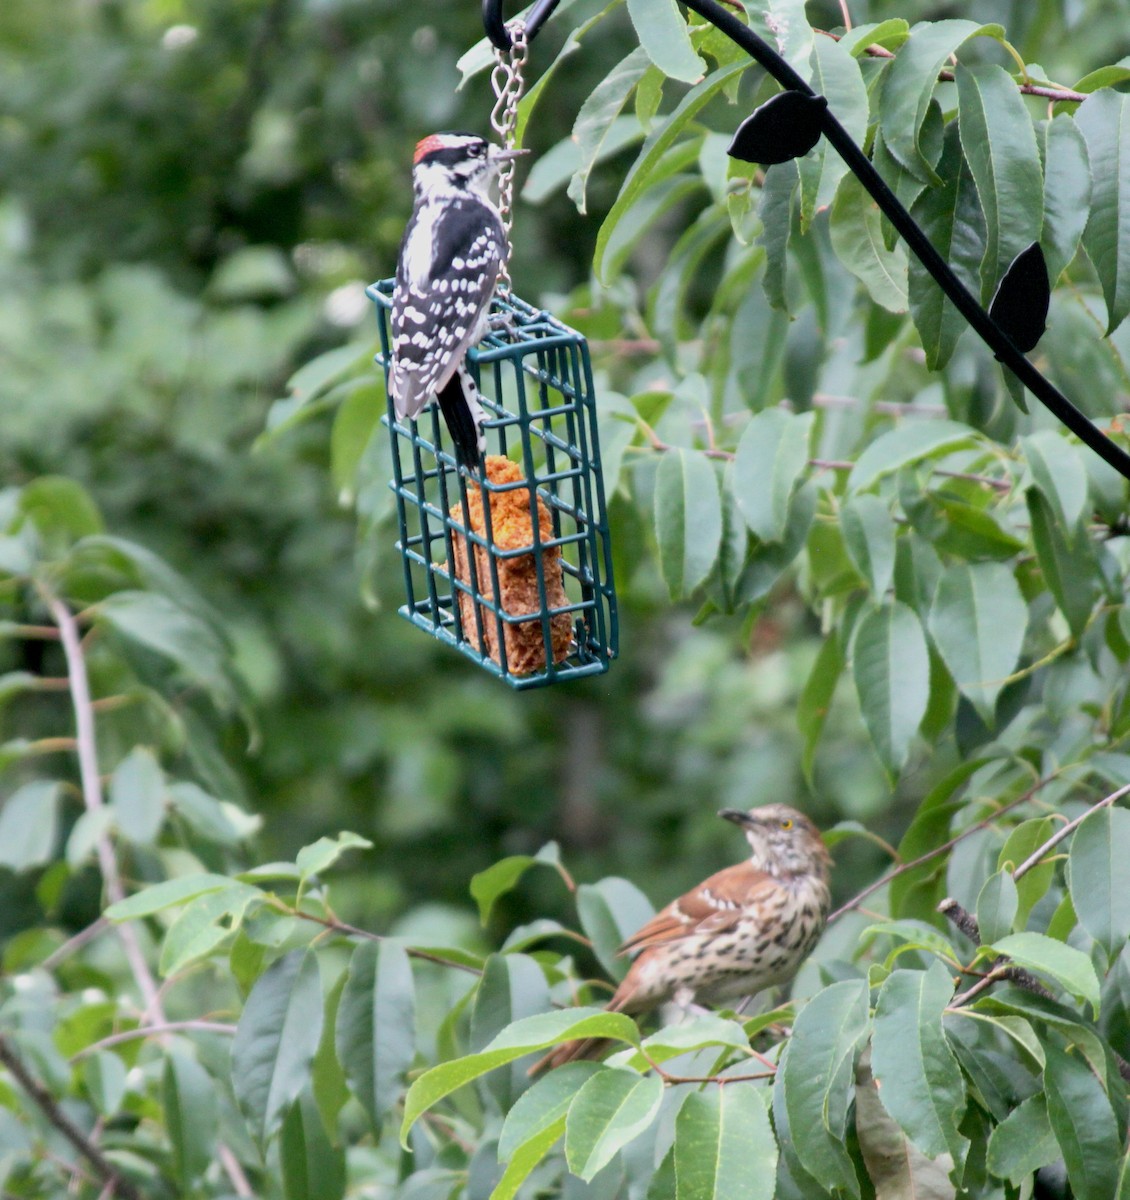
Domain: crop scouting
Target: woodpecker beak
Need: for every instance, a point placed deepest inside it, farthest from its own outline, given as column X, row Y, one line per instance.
column 504, row 156
column 738, row 816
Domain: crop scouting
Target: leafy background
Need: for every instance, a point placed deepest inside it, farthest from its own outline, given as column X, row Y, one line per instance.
column 895, row 599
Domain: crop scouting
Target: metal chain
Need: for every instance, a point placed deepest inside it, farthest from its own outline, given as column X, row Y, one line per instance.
column 508, row 83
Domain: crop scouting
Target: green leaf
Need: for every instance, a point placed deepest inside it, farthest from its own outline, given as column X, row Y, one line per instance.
column 527, row 1156
column 1067, row 193
column 327, row 1076
column 1068, row 967
column 355, row 424
column 312, row 1167
column 950, row 215
column 688, row 519
column 1084, row 1125
column 158, row 624
column 204, row 924
column 543, row 1106
column 611, row 910
column 978, row 621
column 816, row 699
column 1023, row 1142
column 1069, row 568
column 835, row 76
column 188, row 1095
column 104, row 1078
column 775, row 210
column 724, row 1145
column 789, row 26
column 312, row 382
column 1100, row 877
column 891, row 666
column 856, row 230
column 137, row 796
column 920, row 1083
column 1058, row 471
column 610, row 1109
column 653, row 151
column 1000, row 147
column 523, row 1037
column 29, row 825
column 165, row 895
column 869, row 537
column 997, row 903
column 1104, row 119
column 210, row 818
column 61, row 510
column 276, row 1040
column 909, row 83
column 903, row 445
column 487, row 886
column 890, row 34
column 376, row 1025
column 597, row 115
column 771, row 459
column 663, row 34
column 816, row 1079
column 694, row 1034
column 512, row 986
column 1019, row 846
column 319, row 856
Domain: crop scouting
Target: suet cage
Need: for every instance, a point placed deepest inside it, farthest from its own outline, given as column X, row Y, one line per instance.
column 511, row 565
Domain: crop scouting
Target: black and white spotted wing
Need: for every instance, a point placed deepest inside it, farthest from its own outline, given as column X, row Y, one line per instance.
column 445, row 278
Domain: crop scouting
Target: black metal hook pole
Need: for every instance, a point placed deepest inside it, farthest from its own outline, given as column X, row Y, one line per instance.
column 495, row 24
column 860, row 165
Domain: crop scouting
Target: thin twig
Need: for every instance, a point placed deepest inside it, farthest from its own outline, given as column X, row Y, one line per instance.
column 234, row 1171
column 930, row 855
column 45, row 633
column 144, row 1031
column 337, row 926
column 1059, row 95
column 1057, row 837
column 982, row 985
column 75, row 942
column 45, row 1102
column 1000, row 968
column 93, row 800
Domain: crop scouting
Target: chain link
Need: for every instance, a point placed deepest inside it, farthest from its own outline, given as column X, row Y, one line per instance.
column 508, row 83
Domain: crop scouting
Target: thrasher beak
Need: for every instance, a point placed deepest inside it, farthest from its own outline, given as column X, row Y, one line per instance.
column 737, row 816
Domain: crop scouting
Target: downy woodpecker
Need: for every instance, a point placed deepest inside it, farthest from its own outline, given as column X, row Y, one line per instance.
column 445, row 278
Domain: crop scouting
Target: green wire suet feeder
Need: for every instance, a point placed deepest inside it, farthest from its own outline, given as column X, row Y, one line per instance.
column 510, row 565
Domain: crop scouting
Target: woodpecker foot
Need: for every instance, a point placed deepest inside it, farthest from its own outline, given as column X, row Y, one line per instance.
column 503, row 322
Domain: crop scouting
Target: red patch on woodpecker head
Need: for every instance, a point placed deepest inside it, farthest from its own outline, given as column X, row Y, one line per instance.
column 426, row 145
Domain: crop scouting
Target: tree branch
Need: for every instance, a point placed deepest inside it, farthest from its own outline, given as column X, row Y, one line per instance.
column 1033, row 859
column 114, row 1184
column 93, row 801
column 144, row 1031
column 930, row 855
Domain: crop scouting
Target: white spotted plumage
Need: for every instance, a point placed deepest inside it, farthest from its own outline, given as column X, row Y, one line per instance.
column 445, row 278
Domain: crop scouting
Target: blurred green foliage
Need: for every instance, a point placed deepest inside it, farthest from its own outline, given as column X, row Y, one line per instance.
column 192, row 195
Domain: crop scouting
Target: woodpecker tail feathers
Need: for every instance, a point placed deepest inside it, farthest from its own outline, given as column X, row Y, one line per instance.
column 459, row 403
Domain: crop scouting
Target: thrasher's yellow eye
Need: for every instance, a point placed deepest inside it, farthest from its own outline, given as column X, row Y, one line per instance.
column 786, row 823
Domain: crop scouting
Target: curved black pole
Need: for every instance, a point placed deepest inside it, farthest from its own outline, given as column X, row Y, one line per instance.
column 495, row 24
column 987, row 329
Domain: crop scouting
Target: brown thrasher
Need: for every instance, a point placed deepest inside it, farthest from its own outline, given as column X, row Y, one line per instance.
column 744, row 929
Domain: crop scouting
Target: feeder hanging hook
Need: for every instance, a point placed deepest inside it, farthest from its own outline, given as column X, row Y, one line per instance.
column 493, row 22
